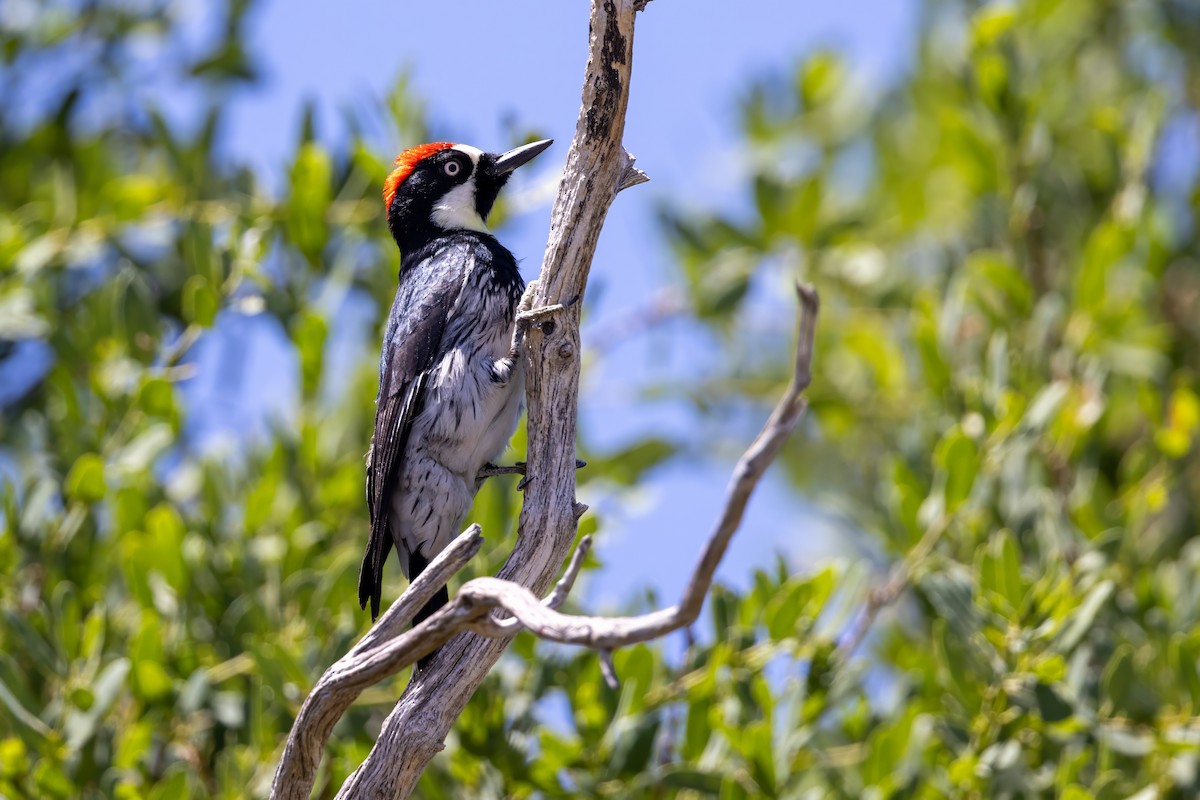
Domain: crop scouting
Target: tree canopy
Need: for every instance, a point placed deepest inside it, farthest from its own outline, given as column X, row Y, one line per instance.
column 1004, row 412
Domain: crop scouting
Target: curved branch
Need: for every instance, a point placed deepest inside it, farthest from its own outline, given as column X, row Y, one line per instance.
column 378, row 655
column 494, row 628
column 606, row 634
column 597, row 167
column 386, row 650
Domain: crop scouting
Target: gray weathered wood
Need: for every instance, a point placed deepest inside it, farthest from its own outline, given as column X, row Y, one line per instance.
column 596, row 167
column 486, row 612
column 367, row 663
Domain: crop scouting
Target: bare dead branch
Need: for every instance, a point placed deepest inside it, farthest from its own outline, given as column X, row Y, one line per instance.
column 597, row 169
column 567, row 581
column 374, row 657
column 596, row 165
column 492, row 627
column 632, row 175
column 883, row 596
column 377, row 656
column 609, row 670
column 610, row 633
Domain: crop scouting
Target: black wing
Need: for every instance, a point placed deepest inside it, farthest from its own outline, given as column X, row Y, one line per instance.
column 428, row 291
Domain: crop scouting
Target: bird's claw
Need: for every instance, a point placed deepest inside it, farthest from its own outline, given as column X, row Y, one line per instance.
column 491, row 470
column 536, row 317
column 579, row 464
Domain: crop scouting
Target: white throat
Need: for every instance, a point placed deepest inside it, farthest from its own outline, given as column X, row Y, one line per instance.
column 456, row 209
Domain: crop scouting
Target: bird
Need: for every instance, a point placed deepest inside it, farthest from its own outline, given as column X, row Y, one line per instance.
column 451, row 382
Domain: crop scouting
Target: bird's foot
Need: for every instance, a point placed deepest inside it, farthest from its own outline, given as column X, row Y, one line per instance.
column 536, row 317
column 579, row 464
column 491, row 470
column 528, row 317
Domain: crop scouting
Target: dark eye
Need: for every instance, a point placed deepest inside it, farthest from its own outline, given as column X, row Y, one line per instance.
column 452, row 168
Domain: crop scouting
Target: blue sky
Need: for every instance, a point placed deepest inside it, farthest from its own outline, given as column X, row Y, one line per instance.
column 484, row 68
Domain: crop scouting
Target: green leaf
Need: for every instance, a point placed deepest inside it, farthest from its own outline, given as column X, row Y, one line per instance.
column 13, row 758
column 635, row 667
column 309, row 332
column 1051, row 705
column 1107, row 244
column 1186, row 658
column 886, row 749
column 1075, row 792
column 1083, row 618
column 910, row 493
column 311, row 191
column 698, row 728
column 22, row 714
column 682, row 777
column 157, row 398
column 85, row 481
column 1000, row 570
column 51, row 781
column 173, row 787
column 951, row 593
column 997, row 284
column 959, row 669
column 799, row 598
column 634, row 746
column 200, row 301
column 151, row 681
column 162, row 546
column 821, row 77
column 1126, row 688
column 724, row 604
column 958, row 457
column 82, row 698
column 991, row 22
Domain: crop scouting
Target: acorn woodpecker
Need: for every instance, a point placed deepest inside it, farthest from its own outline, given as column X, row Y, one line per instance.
column 451, row 384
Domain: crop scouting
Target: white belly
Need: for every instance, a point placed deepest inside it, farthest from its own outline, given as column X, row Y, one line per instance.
column 467, row 421
column 468, row 417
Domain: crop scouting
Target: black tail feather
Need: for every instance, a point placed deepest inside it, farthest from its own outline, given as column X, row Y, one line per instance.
column 370, row 574
column 437, row 601
column 416, row 566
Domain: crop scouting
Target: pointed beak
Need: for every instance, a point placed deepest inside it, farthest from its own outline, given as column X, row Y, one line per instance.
column 507, row 162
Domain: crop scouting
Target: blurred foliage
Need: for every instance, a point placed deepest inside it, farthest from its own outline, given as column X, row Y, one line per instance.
column 1005, row 397
column 1005, row 404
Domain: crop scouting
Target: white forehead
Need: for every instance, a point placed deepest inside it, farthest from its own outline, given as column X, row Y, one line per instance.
column 472, row 152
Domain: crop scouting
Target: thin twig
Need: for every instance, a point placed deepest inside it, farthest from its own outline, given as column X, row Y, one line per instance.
column 608, row 670
column 385, row 651
column 663, row 305
column 567, row 582
column 883, row 596
column 608, row 633
column 490, row 626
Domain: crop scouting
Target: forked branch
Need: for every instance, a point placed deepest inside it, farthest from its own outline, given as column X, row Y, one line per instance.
column 386, row 650
column 473, row 630
column 606, row 634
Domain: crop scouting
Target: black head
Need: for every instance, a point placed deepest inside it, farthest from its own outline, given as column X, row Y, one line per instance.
column 441, row 187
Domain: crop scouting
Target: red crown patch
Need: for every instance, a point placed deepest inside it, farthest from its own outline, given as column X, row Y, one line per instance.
column 405, row 163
